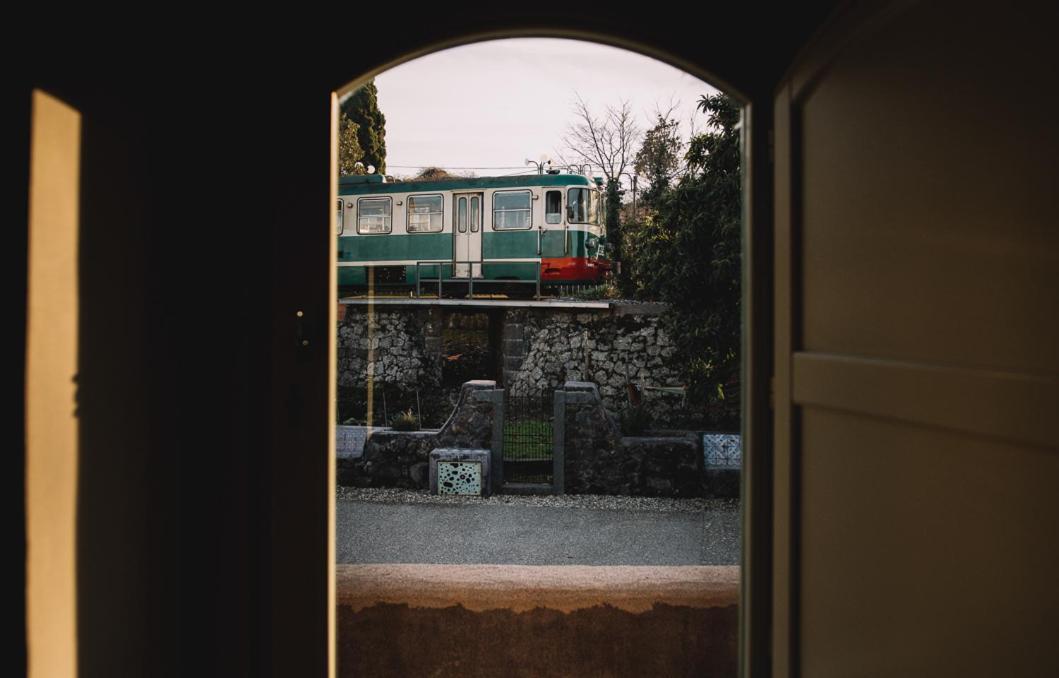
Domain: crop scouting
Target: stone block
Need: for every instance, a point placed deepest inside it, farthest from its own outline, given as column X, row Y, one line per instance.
column 453, row 455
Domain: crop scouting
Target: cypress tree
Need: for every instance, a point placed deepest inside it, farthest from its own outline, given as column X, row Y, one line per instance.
column 349, row 152
column 362, row 108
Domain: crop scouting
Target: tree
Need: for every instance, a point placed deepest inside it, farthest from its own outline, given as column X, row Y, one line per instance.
column 606, row 142
column 688, row 255
column 658, row 159
column 433, row 174
column 362, row 108
column 350, row 154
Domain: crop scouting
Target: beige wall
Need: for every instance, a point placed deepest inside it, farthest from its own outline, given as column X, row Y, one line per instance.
column 918, row 346
column 51, row 389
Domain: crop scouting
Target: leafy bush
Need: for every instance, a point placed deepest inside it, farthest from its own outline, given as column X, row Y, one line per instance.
column 405, row 421
column 686, row 252
column 635, row 420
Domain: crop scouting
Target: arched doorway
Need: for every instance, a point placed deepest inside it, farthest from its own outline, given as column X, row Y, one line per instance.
column 366, row 78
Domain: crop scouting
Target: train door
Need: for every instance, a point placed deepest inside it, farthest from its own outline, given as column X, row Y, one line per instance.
column 554, row 241
column 467, row 234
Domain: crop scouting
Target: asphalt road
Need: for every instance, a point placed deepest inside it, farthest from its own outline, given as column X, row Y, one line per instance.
column 373, row 532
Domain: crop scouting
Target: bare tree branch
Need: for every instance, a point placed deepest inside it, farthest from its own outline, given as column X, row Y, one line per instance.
column 607, row 142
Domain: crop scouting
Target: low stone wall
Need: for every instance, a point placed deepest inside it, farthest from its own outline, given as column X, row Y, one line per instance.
column 596, row 458
column 599, row 460
column 402, row 458
column 390, row 459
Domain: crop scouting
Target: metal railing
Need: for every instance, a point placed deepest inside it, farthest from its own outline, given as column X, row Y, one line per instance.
column 469, row 278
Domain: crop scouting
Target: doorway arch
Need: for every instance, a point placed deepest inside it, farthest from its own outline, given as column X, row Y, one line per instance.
column 756, row 282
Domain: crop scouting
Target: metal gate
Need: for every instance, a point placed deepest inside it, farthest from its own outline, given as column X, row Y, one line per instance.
column 528, row 439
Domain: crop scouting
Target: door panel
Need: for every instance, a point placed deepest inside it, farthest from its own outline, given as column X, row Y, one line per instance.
column 553, row 243
column 916, row 335
column 554, row 228
column 467, row 233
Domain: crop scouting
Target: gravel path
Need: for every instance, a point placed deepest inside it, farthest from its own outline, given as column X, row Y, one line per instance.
column 404, row 526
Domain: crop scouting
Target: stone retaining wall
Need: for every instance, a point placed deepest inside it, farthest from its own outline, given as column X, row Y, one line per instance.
column 537, row 351
column 543, row 350
column 399, row 347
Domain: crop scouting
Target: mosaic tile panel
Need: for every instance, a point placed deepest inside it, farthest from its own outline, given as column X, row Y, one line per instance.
column 459, row 477
column 722, row 450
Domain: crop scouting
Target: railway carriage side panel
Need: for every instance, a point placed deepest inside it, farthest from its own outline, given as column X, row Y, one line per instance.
column 524, row 219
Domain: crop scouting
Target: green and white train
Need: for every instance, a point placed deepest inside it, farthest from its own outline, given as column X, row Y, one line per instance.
column 544, row 228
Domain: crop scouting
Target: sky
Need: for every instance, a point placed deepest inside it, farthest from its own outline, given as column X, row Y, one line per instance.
column 487, row 108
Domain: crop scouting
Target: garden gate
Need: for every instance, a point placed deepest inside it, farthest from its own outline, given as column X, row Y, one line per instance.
column 528, row 440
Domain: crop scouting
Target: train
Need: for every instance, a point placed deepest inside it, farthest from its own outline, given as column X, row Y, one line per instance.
column 484, row 232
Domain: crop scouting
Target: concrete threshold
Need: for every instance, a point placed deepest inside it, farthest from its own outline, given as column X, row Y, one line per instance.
column 520, row 588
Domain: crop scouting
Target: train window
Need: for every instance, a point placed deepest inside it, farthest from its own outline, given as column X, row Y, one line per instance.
column 425, row 214
column 578, row 206
column 338, row 216
column 511, row 210
column 553, row 207
column 373, row 215
column 475, row 219
column 461, row 216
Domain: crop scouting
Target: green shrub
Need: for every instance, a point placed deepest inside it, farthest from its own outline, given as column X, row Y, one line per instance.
column 635, row 420
column 405, row 421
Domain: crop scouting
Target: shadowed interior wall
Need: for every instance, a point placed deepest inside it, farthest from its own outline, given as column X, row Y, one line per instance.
column 923, row 254
column 202, row 515
column 203, row 503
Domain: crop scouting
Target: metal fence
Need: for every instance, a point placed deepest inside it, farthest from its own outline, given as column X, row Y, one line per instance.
column 528, row 438
column 440, row 272
column 387, row 402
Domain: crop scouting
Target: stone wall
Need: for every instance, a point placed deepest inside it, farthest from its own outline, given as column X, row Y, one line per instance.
column 540, row 349
column 599, row 460
column 402, row 458
column 544, row 349
column 399, row 347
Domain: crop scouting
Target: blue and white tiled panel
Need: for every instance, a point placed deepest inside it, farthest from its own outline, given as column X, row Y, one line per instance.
column 722, row 450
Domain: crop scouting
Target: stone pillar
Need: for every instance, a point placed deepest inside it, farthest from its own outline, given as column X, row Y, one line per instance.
column 514, row 345
column 432, row 323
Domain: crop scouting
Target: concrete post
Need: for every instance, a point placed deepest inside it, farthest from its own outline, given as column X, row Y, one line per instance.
column 559, row 442
column 495, row 396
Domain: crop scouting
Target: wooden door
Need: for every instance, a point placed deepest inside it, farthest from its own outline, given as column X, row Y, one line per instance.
column 916, row 355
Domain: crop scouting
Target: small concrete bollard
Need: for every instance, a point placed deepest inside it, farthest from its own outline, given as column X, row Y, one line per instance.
column 460, row 471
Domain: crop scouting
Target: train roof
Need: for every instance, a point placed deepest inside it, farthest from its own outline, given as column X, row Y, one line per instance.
column 367, row 184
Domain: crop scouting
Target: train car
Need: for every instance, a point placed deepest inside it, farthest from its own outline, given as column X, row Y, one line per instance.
column 544, row 228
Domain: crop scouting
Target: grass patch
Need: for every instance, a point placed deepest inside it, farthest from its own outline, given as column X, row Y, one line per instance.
column 528, row 439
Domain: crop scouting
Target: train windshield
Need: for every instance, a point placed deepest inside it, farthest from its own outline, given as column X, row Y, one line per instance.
column 582, row 206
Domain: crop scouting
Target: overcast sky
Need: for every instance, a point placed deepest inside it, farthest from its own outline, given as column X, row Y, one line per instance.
column 491, row 106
